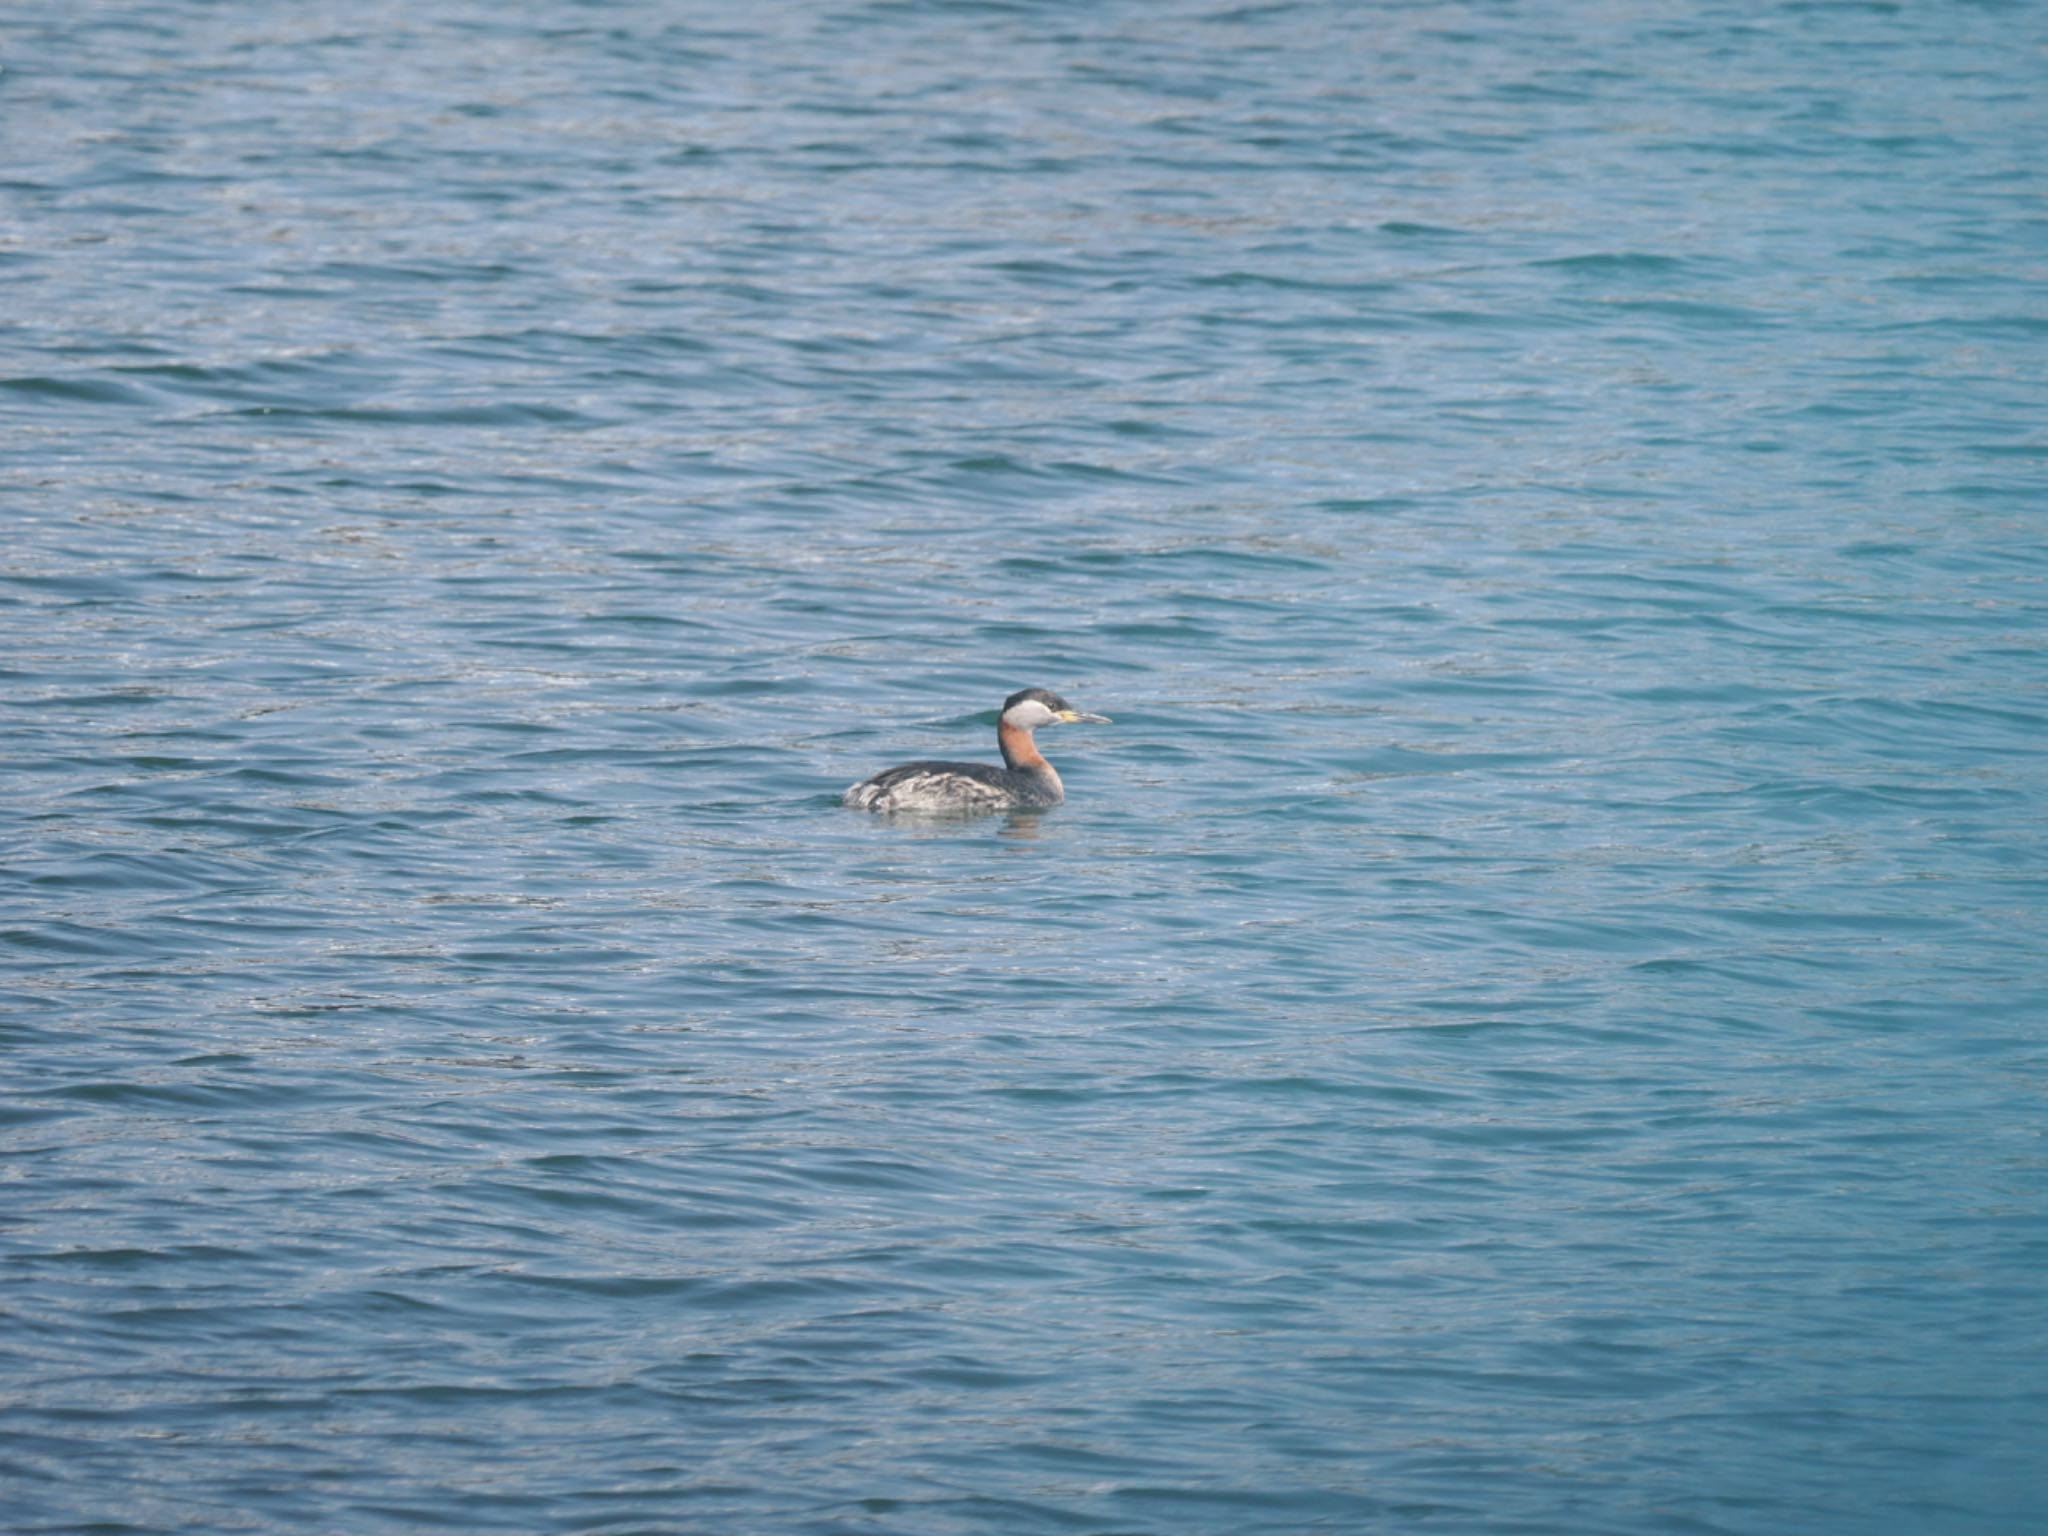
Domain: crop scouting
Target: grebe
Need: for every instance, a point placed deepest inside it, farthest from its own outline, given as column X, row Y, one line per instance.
column 1026, row 781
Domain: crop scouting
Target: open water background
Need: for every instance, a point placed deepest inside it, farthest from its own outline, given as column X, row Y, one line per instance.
column 1533, row 1019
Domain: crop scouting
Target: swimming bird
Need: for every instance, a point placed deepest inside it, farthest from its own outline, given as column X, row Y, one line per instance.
column 1025, row 782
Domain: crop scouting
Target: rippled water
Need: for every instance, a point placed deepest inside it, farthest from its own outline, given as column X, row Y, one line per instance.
column 1532, row 1019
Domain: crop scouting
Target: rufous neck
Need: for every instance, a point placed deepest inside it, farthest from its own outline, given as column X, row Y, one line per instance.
column 1019, row 750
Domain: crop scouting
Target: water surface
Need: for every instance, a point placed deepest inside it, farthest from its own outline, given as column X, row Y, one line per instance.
column 1531, row 1019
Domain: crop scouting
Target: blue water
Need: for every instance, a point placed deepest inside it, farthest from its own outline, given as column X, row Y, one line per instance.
column 1533, row 1019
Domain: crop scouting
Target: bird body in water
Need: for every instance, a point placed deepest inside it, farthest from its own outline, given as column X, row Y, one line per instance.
column 1025, row 782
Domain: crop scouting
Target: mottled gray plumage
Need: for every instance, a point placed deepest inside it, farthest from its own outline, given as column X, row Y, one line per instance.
column 955, row 786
